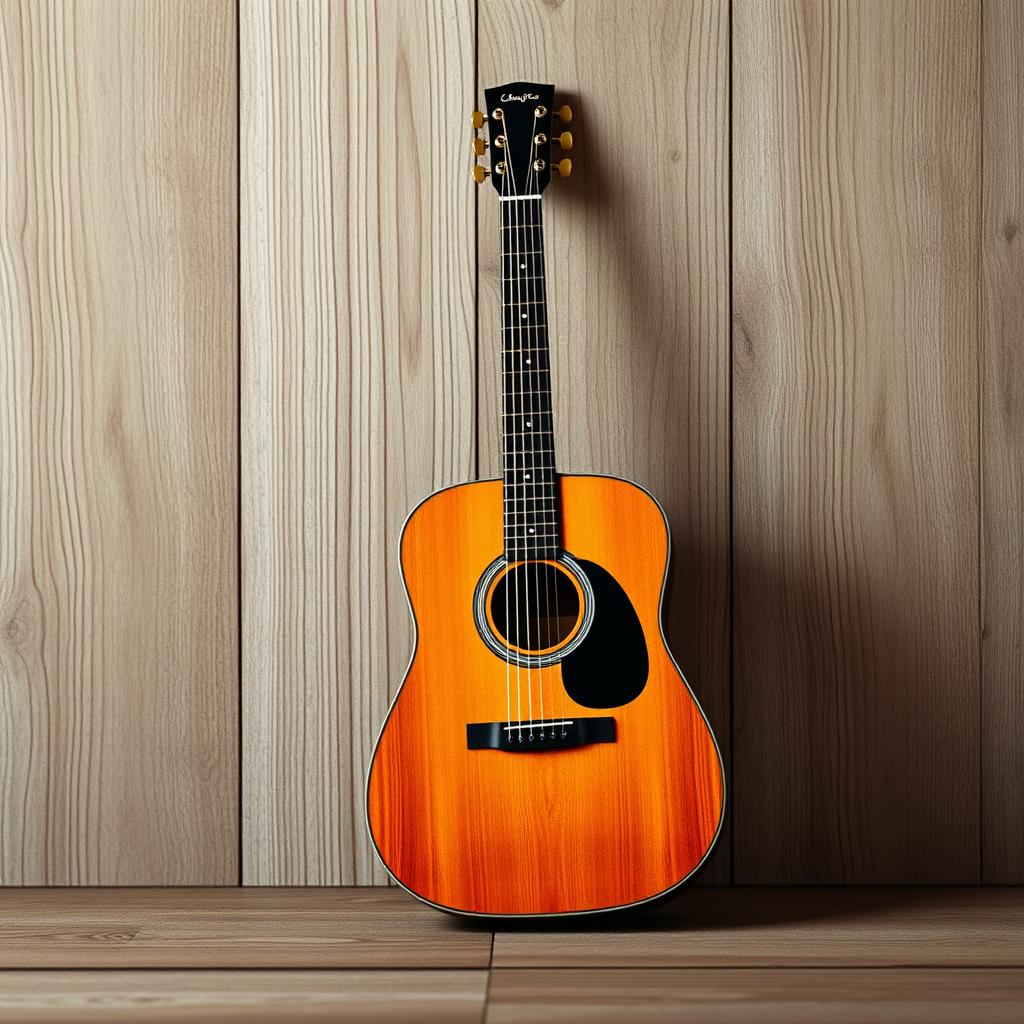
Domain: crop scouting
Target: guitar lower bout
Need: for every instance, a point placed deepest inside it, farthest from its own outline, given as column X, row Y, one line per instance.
column 544, row 755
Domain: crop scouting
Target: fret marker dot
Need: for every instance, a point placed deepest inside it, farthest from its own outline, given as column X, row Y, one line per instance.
column 530, row 530
column 528, row 423
column 527, row 360
column 527, row 476
column 524, row 316
column 522, row 266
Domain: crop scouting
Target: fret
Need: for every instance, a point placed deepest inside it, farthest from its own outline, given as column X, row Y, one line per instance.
column 527, row 295
column 513, row 320
column 527, row 281
column 537, row 412
column 523, row 452
column 527, row 413
column 516, row 450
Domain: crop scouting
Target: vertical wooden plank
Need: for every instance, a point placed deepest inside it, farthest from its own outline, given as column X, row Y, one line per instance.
column 357, row 391
column 856, row 196
column 118, row 515
column 637, row 255
column 1003, row 442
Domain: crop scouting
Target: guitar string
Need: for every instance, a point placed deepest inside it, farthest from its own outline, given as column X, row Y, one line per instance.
column 543, row 290
column 508, row 394
column 533, row 379
column 516, row 334
column 531, row 211
column 502, row 414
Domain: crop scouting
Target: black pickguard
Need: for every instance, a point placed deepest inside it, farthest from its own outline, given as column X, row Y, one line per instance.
column 610, row 667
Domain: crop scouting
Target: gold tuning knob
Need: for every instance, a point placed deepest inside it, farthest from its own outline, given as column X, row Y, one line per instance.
column 480, row 173
column 478, row 119
column 564, row 114
column 564, row 167
column 479, row 147
column 565, row 141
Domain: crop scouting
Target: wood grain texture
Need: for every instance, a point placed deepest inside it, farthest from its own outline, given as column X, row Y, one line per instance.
column 747, row 996
column 637, row 256
column 856, row 197
column 255, row 997
column 227, row 928
column 815, row 927
column 357, row 391
column 1002, row 269
column 118, row 518
column 491, row 832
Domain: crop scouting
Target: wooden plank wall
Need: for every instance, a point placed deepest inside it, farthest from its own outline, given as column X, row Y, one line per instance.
column 358, row 368
column 855, row 477
column 1002, row 325
column 118, row 444
column 638, row 263
column 785, row 297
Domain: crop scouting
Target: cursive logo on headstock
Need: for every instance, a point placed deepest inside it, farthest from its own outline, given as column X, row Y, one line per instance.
column 522, row 97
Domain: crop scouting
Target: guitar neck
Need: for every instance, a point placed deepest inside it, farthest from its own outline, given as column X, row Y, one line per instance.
column 531, row 507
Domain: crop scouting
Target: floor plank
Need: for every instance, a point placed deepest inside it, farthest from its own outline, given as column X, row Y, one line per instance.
column 791, row 927
column 226, row 928
column 250, row 996
column 756, row 996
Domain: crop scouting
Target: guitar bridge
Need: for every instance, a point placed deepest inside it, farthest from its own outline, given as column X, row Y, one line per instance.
column 540, row 735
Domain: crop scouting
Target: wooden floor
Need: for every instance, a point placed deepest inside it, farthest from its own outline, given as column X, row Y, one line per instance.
column 722, row 955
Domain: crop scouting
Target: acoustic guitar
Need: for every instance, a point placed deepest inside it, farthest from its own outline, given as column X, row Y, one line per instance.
column 544, row 754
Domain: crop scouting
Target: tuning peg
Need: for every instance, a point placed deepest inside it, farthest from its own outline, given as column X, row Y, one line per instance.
column 565, row 141
column 480, row 173
column 478, row 120
column 564, row 167
column 480, row 147
column 564, row 114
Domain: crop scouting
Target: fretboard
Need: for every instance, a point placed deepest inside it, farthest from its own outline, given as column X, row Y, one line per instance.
column 531, row 512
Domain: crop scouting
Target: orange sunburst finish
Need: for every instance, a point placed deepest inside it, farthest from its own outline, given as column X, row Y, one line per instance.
column 565, row 831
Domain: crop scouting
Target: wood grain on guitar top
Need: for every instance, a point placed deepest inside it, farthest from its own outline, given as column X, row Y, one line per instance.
column 488, row 831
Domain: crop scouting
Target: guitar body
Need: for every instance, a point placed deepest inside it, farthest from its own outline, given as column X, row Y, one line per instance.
column 618, row 803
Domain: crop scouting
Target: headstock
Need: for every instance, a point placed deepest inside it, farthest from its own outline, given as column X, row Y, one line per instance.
column 521, row 128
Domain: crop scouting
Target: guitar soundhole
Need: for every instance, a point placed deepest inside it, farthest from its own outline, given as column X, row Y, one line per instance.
column 535, row 607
